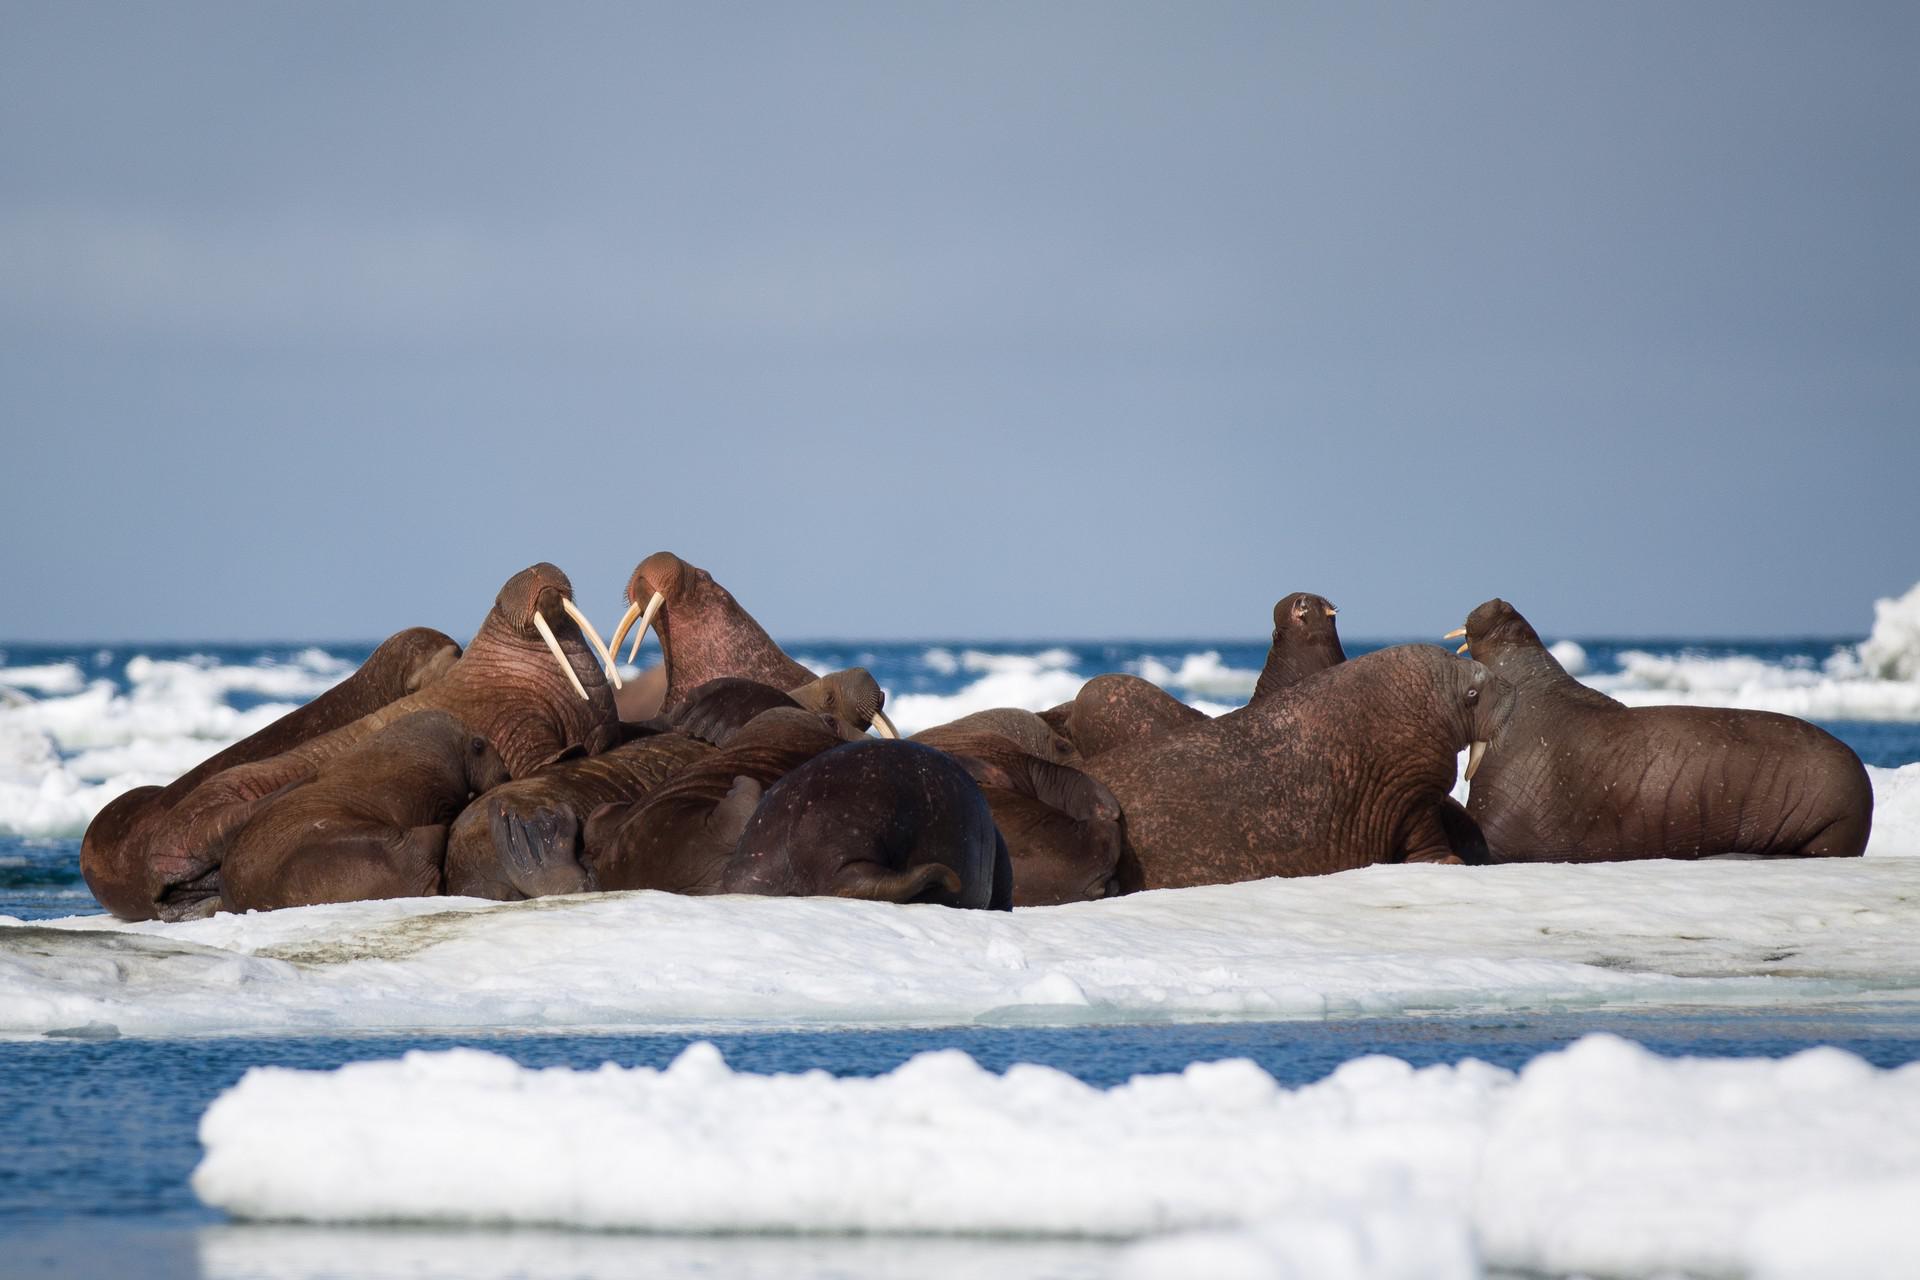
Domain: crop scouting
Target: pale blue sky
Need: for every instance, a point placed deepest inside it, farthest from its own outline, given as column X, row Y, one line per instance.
column 1036, row 320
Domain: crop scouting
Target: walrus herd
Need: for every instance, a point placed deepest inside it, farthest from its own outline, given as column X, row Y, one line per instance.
column 523, row 766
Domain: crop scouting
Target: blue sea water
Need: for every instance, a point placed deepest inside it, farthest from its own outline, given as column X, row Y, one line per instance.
column 97, row 1137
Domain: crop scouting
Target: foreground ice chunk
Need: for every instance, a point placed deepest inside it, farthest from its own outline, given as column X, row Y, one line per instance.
column 1379, row 941
column 1601, row 1158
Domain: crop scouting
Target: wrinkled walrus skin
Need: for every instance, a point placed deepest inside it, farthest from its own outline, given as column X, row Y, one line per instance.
column 1345, row 769
column 118, row 856
column 704, row 632
column 484, row 860
column 1578, row 777
column 885, row 821
column 680, row 837
column 371, row 824
column 506, row 687
column 1062, row 828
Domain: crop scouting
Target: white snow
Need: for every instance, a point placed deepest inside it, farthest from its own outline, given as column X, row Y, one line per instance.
column 1384, row 940
column 1602, row 1158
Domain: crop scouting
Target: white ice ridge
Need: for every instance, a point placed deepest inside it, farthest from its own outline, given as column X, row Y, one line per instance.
column 1892, row 652
column 1381, row 941
column 1602, row 1158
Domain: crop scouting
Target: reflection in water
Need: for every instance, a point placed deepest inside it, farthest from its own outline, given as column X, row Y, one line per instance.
column 265, row 1252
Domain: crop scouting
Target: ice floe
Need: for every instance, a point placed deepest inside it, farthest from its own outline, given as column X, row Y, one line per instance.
column 1385, row 940
column 1602, row 1158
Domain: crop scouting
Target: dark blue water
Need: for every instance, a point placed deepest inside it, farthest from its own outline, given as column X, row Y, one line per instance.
column 107, row 1128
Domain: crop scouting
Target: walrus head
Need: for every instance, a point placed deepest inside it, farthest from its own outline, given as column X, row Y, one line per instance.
column 657, row 580
column 525, row 603
column 1494, row 629
column 1484, row 703
column 852, row 697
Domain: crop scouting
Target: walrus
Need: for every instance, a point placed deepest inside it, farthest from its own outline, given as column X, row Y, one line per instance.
column 116, row 854
column 849, row 701
column 1344, row 769
column 704, row 633
column 372, row 823
column 1117, row 710
column 1576, row 776
column 533, row 687
column 1061, row 827
column 885, row 821
column 680, row 836
column 488, row 858
column 1305, row 641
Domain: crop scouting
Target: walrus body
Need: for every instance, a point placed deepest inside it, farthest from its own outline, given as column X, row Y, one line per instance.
column 1576, row 776
column 1115, row 710
column 888, row 821
column 681, row 835
column 506, row 687
column 372, row 823
column 484, row 860
column 1061, row 827
column 1344, row 769
column 118, row 857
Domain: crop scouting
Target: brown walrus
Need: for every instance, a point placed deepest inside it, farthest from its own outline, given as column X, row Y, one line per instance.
column 885, row 821
column 116, row 854
column 1576, row 776
column 486, row 860
column 1305, row 641
column 1061, row 827
column 1344, row 769
column 372, row 823
column 704, row 633
column 529, row 682
column 680, row 836
column 849, row 701
column 1117, row 710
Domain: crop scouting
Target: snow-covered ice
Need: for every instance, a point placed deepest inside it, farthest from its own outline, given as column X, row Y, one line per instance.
column 1384, row 940
column 1602, row 1158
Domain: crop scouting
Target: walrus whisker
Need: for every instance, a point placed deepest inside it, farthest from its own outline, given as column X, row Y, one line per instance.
column 884, row 725
column 593, row 638
column 1474, row 752
column 559, row 655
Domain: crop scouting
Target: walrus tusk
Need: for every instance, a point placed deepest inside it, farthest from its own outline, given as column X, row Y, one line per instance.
column 646, row 620
column 559, row 655
column 1464, row 646
column 884, row 725
column 620, row 630
column 1454, row 634
column 1474, row 752
column 593, row 638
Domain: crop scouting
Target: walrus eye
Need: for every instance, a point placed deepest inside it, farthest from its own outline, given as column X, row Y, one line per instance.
column 1473, row 695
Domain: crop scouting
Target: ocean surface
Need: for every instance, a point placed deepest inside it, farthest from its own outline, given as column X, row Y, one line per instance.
column 99, row 1135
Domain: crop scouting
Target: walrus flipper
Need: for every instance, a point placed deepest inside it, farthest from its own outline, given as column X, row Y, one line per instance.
column 538, row 851
column 929, row 882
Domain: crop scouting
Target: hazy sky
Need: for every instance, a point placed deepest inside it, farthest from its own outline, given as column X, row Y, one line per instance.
column 1029, row 320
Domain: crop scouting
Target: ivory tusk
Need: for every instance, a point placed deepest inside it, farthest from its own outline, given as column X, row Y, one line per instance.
column 559, row 654
column 1454, row 634
column 1474, row 752
column 884, row 725
column 593, row 638
column 620, row 632
column 646, row 620
column 1464, row 646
